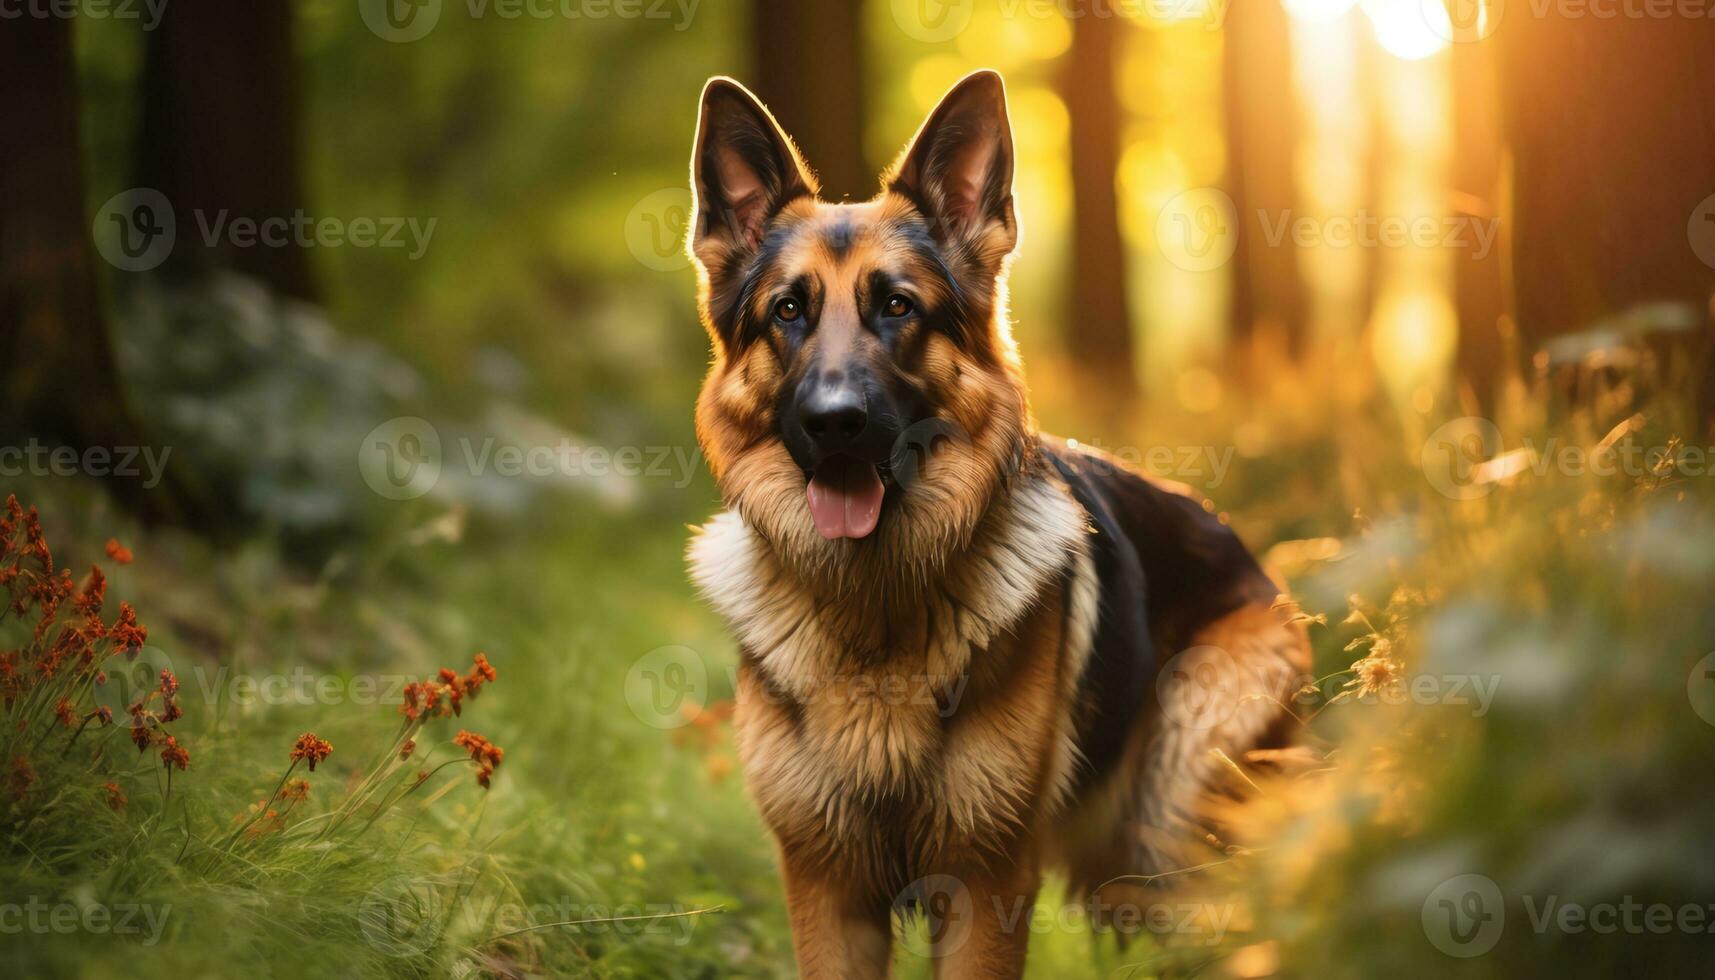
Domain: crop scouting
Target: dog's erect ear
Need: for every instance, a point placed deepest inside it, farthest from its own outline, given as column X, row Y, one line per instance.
column 743, row 168
column 958, row 167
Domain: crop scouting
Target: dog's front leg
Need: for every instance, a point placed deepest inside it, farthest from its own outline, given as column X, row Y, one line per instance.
column 992, row 945
column 834, row 935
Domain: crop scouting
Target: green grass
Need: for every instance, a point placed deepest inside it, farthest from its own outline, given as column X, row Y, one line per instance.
column 1584, row 597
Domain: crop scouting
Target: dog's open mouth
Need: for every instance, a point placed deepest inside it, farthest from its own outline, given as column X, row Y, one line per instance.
column 845, row 497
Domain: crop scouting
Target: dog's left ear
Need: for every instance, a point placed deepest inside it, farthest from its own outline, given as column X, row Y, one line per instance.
column 958, row 167
column 744, row 168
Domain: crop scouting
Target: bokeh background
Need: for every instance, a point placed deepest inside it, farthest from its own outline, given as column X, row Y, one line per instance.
column 1378, row 279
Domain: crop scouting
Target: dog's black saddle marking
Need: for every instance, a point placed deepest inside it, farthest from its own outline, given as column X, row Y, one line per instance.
column 1166, row 567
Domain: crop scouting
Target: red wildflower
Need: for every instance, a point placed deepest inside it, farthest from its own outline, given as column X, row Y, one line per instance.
column 105, row 714
column 170, row 710
column 484, row 753
column 311, row 748
column 118, row 552
column 481, row 749
column 270, row 821
column 35, row 543
column 297, row 789
column 431, row 693
column 172, row 754
column 423, row 700
column 93, row 594
column 47, row 593
column 405, row 750
column 65, row 712
column 481, row 672
column 141, row 736
column 454, row 686
column 128, row 635
column 23, row 775
column 115, row 796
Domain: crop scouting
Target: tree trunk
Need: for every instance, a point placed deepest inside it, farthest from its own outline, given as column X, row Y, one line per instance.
column 1262, row 137
column 1098, row 317
column 57, row 374
column 1479, row 278
column 220, row 136
column 820, row 105
column 1611, row 124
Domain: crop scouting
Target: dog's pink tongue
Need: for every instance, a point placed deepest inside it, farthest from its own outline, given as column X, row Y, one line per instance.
column 845, row 500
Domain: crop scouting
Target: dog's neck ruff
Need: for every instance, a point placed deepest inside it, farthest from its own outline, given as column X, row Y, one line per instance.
column 1032, row 533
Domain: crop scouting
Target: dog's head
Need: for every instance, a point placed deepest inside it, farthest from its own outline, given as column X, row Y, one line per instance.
column 864, row 397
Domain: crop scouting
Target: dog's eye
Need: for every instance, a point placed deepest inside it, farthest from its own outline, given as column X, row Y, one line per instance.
column 897, row 306
column 788, row 310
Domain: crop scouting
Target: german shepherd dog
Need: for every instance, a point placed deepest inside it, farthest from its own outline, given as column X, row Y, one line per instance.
column 951, row 628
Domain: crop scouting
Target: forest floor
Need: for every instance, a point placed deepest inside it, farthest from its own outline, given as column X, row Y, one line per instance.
column 1526, row 707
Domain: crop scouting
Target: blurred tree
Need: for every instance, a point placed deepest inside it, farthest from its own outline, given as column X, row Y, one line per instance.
column 1612, row 180
column 1477, row 189
column 821, row 105
column 1262, row 136
column 57, row 374
column 220, row 134
column 1098, row 317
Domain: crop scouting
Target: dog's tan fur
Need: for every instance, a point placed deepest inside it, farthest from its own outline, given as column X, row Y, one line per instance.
column 906, row 703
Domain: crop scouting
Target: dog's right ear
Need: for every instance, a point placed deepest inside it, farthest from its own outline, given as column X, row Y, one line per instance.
column 744, row 168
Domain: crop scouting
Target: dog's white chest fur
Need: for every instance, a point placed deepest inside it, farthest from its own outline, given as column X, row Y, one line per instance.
column 907, row 696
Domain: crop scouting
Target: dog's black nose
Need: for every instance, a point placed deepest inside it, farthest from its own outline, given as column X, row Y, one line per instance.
column 833, row 416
